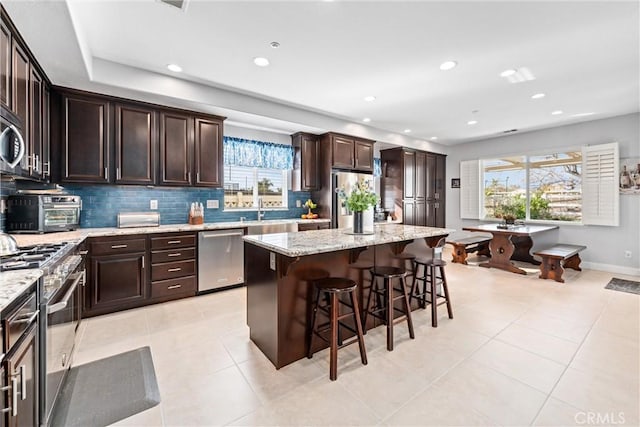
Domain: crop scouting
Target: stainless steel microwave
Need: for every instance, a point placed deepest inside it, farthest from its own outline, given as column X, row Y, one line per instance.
column 43, row 213
column 12, row 144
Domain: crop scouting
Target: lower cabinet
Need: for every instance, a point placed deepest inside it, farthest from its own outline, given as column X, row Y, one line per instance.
column 22, row 378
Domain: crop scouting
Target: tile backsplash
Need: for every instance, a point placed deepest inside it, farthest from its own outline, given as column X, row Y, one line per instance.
column 101, row 204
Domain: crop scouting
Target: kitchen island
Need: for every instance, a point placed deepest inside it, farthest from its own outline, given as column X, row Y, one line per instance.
column 280, row 270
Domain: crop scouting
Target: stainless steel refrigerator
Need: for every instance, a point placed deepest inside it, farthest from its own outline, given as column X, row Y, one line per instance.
column 341, row 216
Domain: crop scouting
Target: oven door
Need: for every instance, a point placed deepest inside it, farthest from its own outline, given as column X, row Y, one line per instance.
column 60, row 217
column 62, row 321
column 12, row 146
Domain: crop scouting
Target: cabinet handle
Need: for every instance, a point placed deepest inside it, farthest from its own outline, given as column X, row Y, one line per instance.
column 173, row 242
column 118, row 246
column 437, row 195
column 143, row 262
column 14, row 397
column 174, row 286
column 106, row 173
column 36, row 162
column 174, row 269
column 176, row 254
column 23, row 382
column 30, row 317
column 197, row 176
column 189, row 177
column 46, row 172
column 118, row 173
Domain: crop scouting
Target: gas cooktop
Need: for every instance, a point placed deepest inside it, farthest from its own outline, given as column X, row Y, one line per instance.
column 40, row 256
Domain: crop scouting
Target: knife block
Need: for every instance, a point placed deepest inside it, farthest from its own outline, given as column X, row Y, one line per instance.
column 196, row 220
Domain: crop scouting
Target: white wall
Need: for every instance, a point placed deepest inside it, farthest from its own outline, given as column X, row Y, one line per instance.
column 605, row 245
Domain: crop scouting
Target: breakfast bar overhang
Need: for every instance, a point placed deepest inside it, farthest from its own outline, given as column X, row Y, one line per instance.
column 280, row 270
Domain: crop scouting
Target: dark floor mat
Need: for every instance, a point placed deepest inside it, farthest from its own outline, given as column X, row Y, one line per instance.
column 623, row 285
column 102, row 392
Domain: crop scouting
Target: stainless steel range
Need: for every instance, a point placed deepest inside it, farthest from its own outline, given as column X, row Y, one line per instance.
column 60, row 297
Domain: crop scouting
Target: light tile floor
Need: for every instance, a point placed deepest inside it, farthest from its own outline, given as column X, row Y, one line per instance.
column 520, row 351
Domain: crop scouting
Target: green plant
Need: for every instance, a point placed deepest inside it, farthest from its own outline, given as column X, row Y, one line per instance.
column 361, row 197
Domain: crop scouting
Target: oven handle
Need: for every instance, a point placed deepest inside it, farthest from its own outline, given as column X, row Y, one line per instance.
column 53, row 308
column 72, row 206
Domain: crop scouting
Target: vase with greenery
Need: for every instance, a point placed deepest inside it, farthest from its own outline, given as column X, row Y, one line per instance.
column 359, row 200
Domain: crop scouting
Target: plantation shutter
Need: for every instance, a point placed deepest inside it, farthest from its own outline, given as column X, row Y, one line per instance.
column 600, row 193
column 470, row 189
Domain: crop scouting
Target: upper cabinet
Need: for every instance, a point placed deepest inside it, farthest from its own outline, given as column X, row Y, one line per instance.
column 36, row 119
column 103, row 139
column 20, row 96
column 5, row 65
column 349, row 152
column 305, row 175
column 136, row 136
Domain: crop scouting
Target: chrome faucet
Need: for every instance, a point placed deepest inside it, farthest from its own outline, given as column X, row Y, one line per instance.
column 260, row 206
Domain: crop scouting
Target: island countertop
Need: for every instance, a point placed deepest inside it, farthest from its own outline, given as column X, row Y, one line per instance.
column 320, row 241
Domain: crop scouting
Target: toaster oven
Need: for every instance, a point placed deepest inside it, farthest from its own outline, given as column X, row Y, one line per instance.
column 43, row 213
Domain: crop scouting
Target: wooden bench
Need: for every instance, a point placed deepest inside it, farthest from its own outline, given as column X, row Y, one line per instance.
column 557, row 257
column 464, row 246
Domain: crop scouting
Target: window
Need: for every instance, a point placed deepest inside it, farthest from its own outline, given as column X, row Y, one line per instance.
column 244, row 185
column 541, row 187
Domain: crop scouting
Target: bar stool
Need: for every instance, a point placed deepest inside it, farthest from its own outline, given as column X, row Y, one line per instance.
column 388, row 292
column 332, row 288
column 407, row 259
column 430, row 281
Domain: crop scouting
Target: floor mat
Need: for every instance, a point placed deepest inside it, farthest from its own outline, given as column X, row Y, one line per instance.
column 623, row 285
column 102, row 392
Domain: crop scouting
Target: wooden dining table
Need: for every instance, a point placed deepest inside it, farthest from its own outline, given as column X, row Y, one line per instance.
column 512, row 243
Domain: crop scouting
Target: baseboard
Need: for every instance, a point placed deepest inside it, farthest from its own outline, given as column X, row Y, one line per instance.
column 611, row 268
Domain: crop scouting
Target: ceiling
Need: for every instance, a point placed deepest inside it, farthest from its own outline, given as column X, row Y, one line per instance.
column 332, row 54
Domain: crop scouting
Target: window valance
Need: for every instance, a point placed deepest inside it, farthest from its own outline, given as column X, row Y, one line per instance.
column 377, row 167
column 258, row 154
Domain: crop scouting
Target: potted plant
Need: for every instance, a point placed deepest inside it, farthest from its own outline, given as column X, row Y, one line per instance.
column 358, row 201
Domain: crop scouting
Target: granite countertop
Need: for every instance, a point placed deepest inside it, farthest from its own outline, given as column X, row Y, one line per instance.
column 319, row 241
column 83, row 233
column 14, row 283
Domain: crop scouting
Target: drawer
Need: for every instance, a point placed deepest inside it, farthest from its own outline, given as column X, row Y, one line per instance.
column 177, row 241
column 118, row 246
column 324, row 225
column 20, row 319
column 181, row 286
column 170, row 270
column 307, row 227
column 177, row 254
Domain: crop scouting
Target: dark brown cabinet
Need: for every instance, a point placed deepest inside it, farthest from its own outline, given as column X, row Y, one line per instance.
column 343, row 152
column 46, row 134
column 135, row 144
column 176, row 145
column 36, row 117
column 85, row 139
column 117, row 274
column 5, row 65
column 208, row 152
column 305, row 175
column 363, row 154
column 413, row 186
column 20, row 96
column 306, row 226
column 350, row 153
column 22, row 379
column 173, row 266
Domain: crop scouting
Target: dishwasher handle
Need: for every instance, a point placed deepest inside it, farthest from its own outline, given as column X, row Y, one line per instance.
column 213, row 234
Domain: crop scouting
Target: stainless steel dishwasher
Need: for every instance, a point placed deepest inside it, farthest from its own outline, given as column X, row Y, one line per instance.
column 220, row 259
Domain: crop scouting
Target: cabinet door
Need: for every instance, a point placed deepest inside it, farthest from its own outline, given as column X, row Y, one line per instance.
column 409, row 212
column 85, row 139
column 208, row 152
column 36, row 123
column 409, row 162
column 439, row 214
column 430, row 213
column 363, row 155
column 309, row 166
column 46, row 134
column 421, row 162
column 431, row 176
column 343, row 151
column 117, row 281
column 22, row 369
column 176, row 144
column 136, row 142
column 421, row 213
column 5, row 66
column 439, row 177
column 20, row 96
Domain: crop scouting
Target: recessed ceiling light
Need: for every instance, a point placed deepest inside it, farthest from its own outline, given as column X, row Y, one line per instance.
column 507, row 73
column 366, row 120
column 370, row 98
column 433, row 138
column 557, row 112
column 448, row 65
column 175, row 68
column 407, row 131
column 472, row 122
column 261, row 62
column 274, row 45
column 538, row 96
column 582, row 114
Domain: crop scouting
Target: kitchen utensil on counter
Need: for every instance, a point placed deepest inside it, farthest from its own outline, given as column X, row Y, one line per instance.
column 8, row 245
column 196, row 214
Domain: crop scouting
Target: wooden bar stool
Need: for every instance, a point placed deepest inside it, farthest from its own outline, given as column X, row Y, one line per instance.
column 331, row 288
column 388, row 293
column 407, row 259
column 430, row 281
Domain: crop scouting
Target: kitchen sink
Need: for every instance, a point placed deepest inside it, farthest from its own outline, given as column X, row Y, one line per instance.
column 272, row 228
